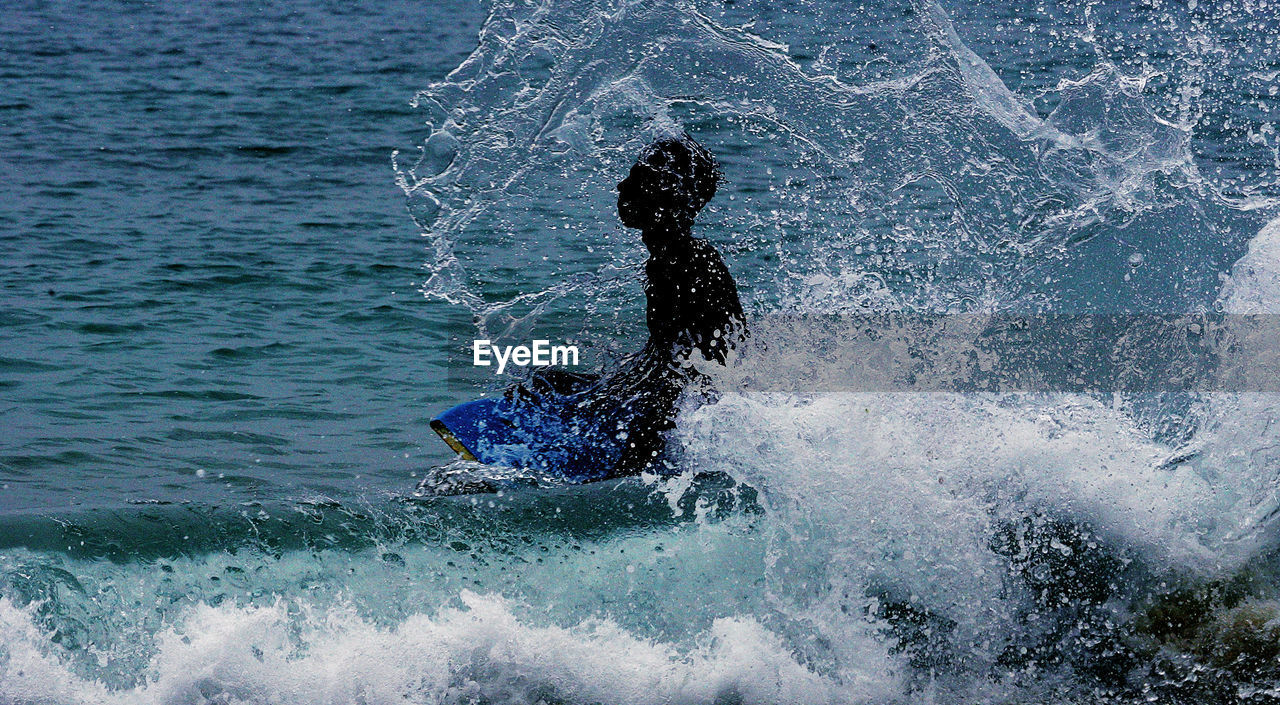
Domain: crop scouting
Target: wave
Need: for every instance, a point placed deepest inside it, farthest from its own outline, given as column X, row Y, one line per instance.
column 479, row 652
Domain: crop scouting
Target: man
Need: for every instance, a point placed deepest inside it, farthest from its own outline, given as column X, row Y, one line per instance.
column 692, row 302
column 582, row 428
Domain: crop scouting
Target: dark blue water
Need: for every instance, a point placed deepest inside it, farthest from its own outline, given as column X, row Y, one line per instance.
column 227, row 313
column 207, row 262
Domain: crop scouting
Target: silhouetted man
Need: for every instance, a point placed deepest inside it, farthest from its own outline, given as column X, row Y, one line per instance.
column 692, row 302
column 586, row 428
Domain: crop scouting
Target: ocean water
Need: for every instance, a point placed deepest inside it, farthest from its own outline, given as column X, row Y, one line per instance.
column 246, row 248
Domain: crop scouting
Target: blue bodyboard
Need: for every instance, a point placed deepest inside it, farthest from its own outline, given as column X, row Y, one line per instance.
column 543, row 429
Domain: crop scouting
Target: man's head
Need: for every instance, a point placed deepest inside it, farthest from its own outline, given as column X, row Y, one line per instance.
column 671, row 181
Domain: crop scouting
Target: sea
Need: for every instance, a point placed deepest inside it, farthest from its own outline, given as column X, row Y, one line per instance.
column 245, row 248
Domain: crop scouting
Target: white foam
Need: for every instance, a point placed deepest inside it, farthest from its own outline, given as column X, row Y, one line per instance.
column 30, row 672
column 1239, row 438
column 1254, row 284
column 482, row 651
column 903, row 487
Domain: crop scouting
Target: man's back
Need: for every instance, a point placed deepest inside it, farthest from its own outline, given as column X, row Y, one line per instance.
column 692, row 301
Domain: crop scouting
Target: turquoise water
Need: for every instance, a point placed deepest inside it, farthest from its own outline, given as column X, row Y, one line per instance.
column 246, row 249
column 205, row 245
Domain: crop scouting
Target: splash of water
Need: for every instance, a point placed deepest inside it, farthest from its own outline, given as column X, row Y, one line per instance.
column 930, row 172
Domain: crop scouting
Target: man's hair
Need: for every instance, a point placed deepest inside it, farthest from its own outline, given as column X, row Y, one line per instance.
column 684, row 168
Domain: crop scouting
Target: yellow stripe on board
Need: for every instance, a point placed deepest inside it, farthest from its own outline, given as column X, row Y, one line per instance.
column 452, row 440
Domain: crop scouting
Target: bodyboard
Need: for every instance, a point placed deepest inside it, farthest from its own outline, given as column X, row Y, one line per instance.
column 541, row 427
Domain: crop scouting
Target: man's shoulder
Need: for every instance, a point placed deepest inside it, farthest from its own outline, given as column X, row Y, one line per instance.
column 694, row 257
column 701, row 248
